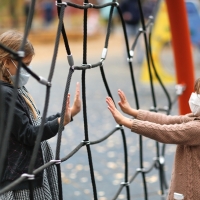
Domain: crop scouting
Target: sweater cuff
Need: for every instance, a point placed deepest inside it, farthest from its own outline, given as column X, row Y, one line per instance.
column 134, row 126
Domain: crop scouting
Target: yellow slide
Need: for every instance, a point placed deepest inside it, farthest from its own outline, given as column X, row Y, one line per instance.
column 159, row 37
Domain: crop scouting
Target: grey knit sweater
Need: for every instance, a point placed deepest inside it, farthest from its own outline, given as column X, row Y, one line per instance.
column 184, row 131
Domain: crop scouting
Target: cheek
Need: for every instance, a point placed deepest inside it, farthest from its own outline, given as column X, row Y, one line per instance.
column 12, row 70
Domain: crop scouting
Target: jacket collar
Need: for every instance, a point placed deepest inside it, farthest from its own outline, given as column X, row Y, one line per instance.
column 6, row 84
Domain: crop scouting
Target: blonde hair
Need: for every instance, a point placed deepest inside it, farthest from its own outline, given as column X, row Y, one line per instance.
column 13, row 39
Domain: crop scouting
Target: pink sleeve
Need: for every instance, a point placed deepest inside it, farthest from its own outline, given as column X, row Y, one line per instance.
column 183, row 134
column 160, row 118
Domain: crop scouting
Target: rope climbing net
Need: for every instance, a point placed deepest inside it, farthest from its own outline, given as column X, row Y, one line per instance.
column 158, row 161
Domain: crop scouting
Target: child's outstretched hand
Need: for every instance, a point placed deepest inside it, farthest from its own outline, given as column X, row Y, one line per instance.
column 116, row 114
column 125, row 106
column 123, row 103
column 76, row 107
column 67, row 116
column 119, row 118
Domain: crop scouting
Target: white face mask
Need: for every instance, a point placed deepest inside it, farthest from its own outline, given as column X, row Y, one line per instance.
column 194, row 103
column 23, row 76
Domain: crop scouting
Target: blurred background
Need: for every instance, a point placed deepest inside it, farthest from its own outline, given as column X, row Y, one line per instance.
column 108, row 156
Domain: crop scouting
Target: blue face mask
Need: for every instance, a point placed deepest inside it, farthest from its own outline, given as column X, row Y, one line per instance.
column 23, row 76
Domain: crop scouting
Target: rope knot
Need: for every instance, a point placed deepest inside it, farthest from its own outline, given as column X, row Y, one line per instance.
column 57, row 162
column 86, row 142
column 21, row 54
column 90, row 5
column 29, row 176
column 61, row 4
column 125, row 183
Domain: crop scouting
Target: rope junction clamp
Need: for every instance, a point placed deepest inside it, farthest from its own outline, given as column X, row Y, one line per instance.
column 180, row 88
column 151, row 17
column 117, row 4
column 160, row 159
column 130, row 60
column 44, row 81
column 131, row 52
column 57, row 162
column 70, row 61
column 21, row 54
column 86, row 142
column 153, row 108
column 125, row 183
column 60, row 4
column 91, row 5
column 140, row 169
column 72, row 67
column 29, row 176
column 165, row 108
column 101, row 61
column 85, row 65
column 119, row 127
column 141, row 30
column 104, row 53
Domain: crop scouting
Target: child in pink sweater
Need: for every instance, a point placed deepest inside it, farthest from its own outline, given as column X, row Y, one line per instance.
column 183, row 130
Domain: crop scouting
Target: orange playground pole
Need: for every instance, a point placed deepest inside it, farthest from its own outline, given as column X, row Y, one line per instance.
column 182, row 50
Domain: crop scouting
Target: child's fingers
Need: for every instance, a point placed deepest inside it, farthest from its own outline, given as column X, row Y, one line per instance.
column 111, row 104
column 77, row 87
column 77, row 95
column 122, row 95
column 111, row 110
column 109, row 100
column 68, row 99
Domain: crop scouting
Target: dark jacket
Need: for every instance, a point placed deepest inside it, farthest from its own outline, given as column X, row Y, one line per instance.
column 22, row 139
column 131, row 7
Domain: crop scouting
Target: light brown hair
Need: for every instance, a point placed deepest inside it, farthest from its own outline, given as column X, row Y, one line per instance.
column 13, row 39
